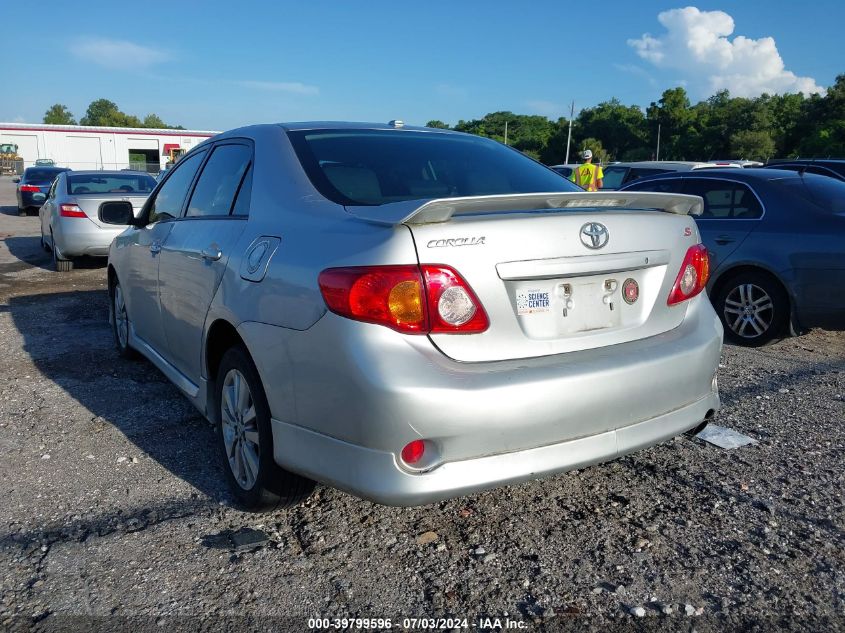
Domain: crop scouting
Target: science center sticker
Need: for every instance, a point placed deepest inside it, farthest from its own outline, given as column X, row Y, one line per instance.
column 532, row 302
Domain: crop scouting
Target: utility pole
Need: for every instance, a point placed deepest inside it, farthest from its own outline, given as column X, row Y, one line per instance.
column 569, row 136
column 506, row 132
column 657, row 157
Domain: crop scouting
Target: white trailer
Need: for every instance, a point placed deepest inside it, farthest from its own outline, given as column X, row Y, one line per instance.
column 88, row 147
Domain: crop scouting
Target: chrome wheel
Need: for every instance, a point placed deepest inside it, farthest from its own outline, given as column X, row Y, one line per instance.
column 121, row 321
column 240, row 429
column 749, row 311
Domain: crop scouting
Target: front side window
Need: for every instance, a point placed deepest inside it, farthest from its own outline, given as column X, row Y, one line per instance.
column 219, row 182
column 374, row 167
column 170, row 198
column 724, row 200
column 613, row 177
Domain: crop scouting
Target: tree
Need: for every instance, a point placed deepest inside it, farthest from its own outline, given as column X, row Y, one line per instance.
column 437, row 124
column 154, row 121
column 752, row 145
column 622, row 129
column 59, row 114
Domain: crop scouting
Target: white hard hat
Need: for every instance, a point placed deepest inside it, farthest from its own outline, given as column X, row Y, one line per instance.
column 586, row 154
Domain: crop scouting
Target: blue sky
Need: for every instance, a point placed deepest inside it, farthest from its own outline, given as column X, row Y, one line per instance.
column 216, row 65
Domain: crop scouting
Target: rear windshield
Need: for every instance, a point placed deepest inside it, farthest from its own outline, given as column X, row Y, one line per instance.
column 373, row 167
column 41, row 175
column 112, row 183
column 827, row 193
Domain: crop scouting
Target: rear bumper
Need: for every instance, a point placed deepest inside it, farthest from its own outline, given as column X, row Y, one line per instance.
column 31, row 199
column 376, row 475
column 346, row 397
column 80, row 236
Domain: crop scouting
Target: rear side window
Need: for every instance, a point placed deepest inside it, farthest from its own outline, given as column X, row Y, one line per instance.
column 169, row 199
column 641, row 172
column 826, row 193
column 374, row 167
column 219, row 181
column 724, row 199
column 664, row 185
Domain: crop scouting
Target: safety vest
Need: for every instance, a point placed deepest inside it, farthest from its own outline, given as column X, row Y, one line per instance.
column 587, row 175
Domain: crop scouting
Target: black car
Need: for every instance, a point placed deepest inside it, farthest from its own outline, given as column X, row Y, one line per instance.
column 832, row 167
column 776, row 241
column 33, row 187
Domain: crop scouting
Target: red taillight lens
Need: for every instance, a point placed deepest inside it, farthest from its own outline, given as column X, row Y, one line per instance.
column 408, row 299
column 71, row 211
column 31, row 188
column 413, row 452
column 693, row 276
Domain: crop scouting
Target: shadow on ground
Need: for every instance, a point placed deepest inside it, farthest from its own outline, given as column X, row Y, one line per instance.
column 74, row 348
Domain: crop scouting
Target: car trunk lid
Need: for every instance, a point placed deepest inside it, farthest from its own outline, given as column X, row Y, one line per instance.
column 90, row 204
column 555, row 273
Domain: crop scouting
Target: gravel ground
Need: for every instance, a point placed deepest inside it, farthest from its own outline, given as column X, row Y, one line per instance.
column 113, row 507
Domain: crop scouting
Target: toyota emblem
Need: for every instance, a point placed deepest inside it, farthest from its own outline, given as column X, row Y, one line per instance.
column 594, row 235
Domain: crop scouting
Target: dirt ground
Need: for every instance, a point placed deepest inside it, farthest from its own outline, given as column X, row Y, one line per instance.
column 115, row 513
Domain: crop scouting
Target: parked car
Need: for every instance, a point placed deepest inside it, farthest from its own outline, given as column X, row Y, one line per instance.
column 70, row 217
column 33, row 187
column 741, row 162
column 833, row 168
column 618, row 175
column 564, row 170
column 411, row 314
column 776, row 241
column 44, row 162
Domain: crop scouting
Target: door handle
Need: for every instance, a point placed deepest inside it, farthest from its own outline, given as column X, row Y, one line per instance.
column 724, row 239
column 155, row 248
column 211, row 253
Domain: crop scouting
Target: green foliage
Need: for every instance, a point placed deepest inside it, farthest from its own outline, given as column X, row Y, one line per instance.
column 720, row 127
column 59, row 114
column 437, row 124
column 103, row 112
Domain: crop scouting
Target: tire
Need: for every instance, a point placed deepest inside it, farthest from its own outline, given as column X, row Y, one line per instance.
column 245, row 438
column 120, row 322
column 22, row 211
column 61, row 265
column 753, row 307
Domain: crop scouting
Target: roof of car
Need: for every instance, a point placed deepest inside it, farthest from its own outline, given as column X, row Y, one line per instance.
column 356, row 125
column 665, row 164
column 47, row 168
column 751, row 173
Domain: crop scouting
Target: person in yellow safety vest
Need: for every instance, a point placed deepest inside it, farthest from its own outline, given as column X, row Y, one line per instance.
column 588, row 176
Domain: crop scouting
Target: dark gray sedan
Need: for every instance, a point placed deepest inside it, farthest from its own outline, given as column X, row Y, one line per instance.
column 776, row 241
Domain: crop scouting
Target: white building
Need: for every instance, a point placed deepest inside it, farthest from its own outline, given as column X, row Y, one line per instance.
column 88, row 147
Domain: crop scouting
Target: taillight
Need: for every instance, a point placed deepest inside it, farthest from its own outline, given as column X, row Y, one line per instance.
column 693, row 276
column 71, row 211
column 409, row 299
column 30, row 188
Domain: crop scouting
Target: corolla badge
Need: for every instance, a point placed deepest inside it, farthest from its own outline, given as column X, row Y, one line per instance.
column 594, row 235
column 456, row 241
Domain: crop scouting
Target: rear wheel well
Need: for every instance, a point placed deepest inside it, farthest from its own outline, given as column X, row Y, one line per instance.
column 739, row 270
column 222, row 335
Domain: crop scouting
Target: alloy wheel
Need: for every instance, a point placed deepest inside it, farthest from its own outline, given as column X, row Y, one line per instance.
column 748, row 311
column 121, row 320
column 240, row 429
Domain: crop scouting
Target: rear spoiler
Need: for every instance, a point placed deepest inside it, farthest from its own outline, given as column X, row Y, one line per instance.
column 442, row 209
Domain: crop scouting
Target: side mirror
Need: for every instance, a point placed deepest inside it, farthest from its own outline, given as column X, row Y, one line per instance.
column 16, row 179
column 118, row 212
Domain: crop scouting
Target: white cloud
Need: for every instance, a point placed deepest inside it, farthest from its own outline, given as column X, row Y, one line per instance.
column 696, row 43
column 293, row 87
column 117, row 53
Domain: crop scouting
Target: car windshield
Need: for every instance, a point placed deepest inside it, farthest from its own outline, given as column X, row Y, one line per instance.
column 40, row 175
column 111, row 183
column 374, row 167
column 827, row 193
column 613, row 177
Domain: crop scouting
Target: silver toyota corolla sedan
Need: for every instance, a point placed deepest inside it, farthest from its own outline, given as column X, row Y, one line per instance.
column 70, row 217
column 412, row 314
